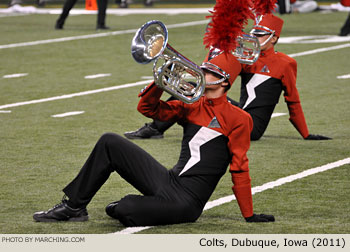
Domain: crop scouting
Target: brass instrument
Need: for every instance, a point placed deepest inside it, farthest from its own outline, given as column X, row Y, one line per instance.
column 172, row 72
column 247, row 50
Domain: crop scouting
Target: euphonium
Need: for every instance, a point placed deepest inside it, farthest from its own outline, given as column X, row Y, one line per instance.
column 247, row 50
column 172, row 72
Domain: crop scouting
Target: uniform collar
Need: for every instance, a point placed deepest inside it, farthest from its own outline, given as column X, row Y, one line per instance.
column 215, row 101
column 267, row 52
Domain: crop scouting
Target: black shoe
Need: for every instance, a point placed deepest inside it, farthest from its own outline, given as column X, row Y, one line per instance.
column 148, row 2
column 15, row 2
column 344, row 33
column 110, row 209
column 40, row 3
column 144, row 132
column 58, row 26
column 62, row 212
column 123, row 5
column 102, row 27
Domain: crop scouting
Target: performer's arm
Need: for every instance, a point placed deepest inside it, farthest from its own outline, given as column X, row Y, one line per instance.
column 239, row 143
column 297, row 118
column 243, row 193
column 291, row 95
column 151, row 106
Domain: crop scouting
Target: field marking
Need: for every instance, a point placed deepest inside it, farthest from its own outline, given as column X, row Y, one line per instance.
column 64, row 39
column 94, row 35
column 2, row 14
column 278, row 114
column 110, row 11
column 72, row 113
column 257, row 189
column 325, row 49
column 314, row 39
column 301, row 39
column 8, row 76
column 5, row 111
column 67, row 96
column 347, row 76
column 94, row 76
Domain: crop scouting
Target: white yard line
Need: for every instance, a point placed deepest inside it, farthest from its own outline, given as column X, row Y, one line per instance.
column 314, row 39
column 278, row 114
column 4, row 15
column 8, row 76
column 257, row 189
column 110, row 11
column 64, row 39
column 95, row 35
column 301, row 39
column 72, row 113
column 95, row 76
column 5, row 111
column 347, row 76
column 319, row 50
column 147, row 77
column 67, row 96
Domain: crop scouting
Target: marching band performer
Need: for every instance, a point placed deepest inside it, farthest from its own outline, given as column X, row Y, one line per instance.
column 261, row 86
column 101, row 14
column 263, row 82
column 216, row 135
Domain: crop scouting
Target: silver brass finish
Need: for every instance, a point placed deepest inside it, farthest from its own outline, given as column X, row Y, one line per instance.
column 247, row 50
column 173, row 72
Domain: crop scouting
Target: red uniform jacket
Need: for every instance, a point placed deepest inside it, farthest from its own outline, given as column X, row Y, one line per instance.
column 274, row 72
column 216, row 115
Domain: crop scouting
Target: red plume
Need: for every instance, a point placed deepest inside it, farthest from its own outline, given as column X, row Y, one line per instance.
column 228, row 19
column 263, row 7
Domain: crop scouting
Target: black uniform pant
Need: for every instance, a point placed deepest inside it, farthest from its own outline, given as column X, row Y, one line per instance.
column 69, row 4
column 345, row 30
column 261, row 117
column 166, row 199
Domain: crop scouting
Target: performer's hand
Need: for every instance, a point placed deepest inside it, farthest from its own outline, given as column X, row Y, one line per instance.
column 260, row 218
column 316, row 137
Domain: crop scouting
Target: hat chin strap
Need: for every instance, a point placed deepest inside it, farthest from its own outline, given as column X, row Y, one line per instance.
column 215, row 82
column 267, row 40
column 215, row 69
